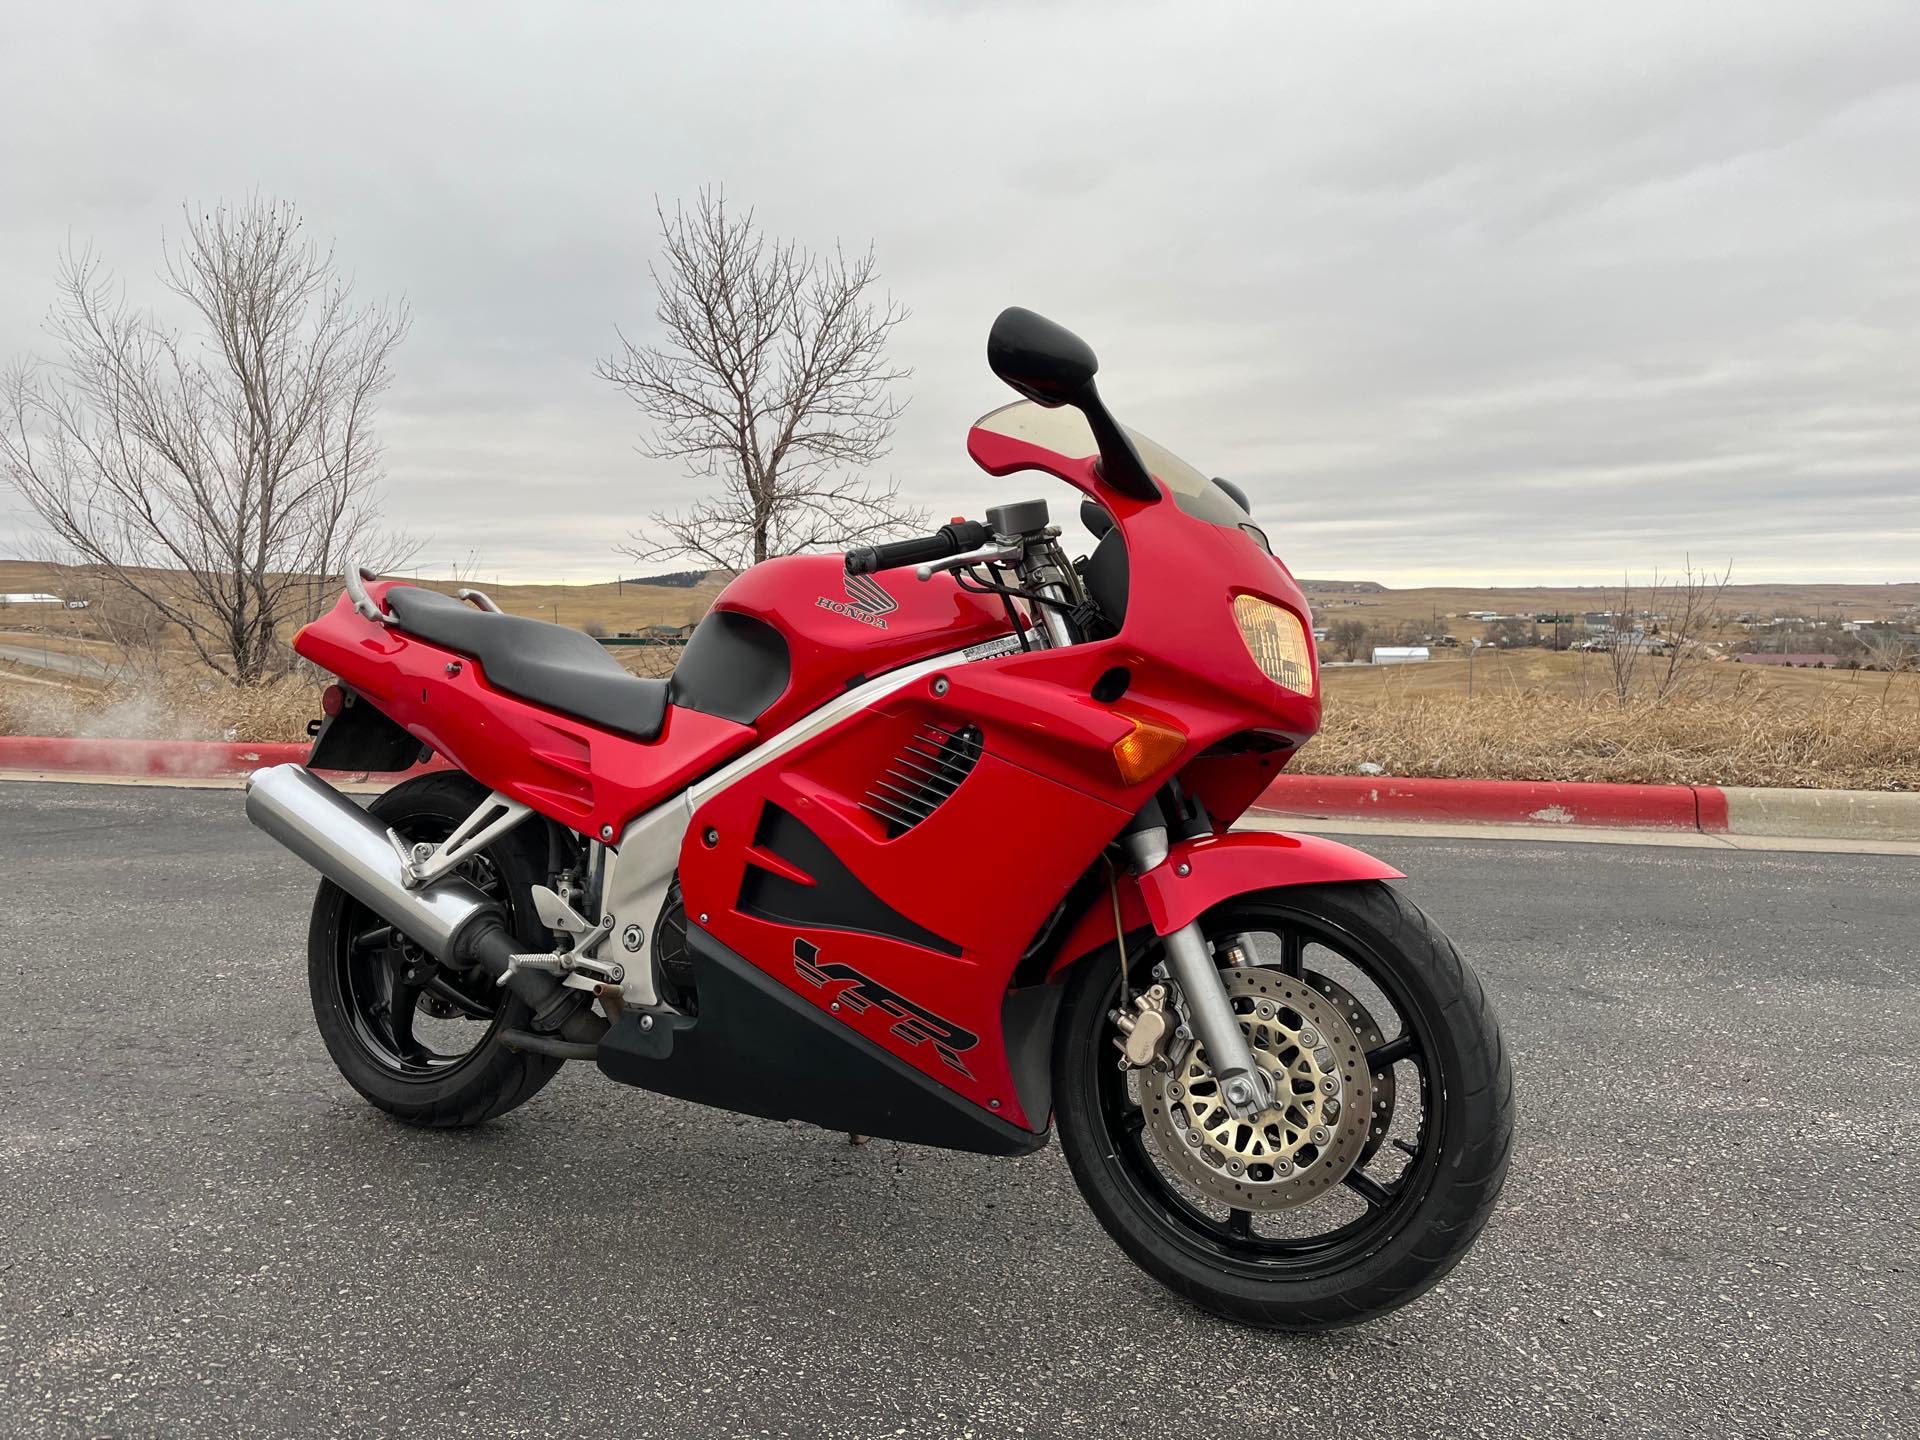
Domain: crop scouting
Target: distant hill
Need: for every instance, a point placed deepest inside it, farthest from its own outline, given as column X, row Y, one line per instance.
column 676, row 580
column 1343, row 587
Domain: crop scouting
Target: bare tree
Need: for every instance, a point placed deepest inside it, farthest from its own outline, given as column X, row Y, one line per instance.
column 1347, row 638
column 771, row 379
column 1665, row 625
column 1886, row 649
column 220, row 479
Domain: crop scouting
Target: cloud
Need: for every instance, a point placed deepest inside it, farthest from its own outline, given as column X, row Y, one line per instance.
column 1482, row 290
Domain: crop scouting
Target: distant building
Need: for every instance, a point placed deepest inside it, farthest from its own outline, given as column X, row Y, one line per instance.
column 1400, row 654
column 19, row 599
column 1808, row 660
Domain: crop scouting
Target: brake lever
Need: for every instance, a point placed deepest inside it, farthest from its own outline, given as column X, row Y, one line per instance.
column 986, row 554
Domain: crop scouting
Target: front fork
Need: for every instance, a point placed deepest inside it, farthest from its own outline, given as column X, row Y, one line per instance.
column 1246, row 1089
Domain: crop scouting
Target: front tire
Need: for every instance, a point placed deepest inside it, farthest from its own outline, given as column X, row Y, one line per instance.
column 1391, row 1237
column 427, row 1053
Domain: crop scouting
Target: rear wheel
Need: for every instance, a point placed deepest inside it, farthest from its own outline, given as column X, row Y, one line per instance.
column 413, row 1037
column 1385, row 1150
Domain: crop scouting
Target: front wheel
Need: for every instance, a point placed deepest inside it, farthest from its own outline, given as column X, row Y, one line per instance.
column 1385, row 1150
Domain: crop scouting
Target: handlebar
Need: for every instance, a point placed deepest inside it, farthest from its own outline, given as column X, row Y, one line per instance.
column 954, row 539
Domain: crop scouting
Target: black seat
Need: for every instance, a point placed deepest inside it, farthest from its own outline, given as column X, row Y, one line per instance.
column 550, row 665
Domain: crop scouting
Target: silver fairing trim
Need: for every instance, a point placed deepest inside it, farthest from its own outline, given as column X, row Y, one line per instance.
column 640, row 871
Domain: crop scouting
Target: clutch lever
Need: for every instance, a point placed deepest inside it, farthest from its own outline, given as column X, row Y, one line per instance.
column 985, row 555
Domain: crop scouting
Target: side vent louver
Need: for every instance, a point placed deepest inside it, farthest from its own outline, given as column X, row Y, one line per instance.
column 928, row 769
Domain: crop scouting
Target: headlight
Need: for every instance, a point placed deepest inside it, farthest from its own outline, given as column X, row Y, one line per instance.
column 1277, row 641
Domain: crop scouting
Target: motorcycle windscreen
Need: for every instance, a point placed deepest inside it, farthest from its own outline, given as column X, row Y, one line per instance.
column 1063, row 431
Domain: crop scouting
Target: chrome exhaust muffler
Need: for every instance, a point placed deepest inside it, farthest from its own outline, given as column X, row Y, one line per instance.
column 351, row 848
column 448, row 917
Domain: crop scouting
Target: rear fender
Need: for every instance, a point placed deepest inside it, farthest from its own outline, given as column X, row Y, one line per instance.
column 1199, row 874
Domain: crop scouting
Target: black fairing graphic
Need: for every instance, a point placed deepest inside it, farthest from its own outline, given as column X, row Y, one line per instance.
column 835, row 901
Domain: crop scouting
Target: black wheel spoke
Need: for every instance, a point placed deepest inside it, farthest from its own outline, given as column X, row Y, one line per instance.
column 1240, row 1224
column 368, row 939
column 402, row 1001
column 1368, row 1189
column 1293, row 950
column 456, row 997
column 408, row 1016
column 1402, row 1047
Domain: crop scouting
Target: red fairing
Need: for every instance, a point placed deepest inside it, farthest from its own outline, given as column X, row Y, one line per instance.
column 1218, row 867
column 971, row 883
column 839, row 627
column 1186, row 662
column 572, row 771
column 986, row 870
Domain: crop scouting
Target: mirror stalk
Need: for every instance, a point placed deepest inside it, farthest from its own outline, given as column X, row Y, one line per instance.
column 1120, row 464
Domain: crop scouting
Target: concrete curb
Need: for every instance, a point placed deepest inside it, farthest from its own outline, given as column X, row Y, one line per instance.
column 1701, row 809
column 1831, row 814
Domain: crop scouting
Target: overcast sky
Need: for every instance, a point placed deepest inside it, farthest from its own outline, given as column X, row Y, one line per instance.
column 1461, row 293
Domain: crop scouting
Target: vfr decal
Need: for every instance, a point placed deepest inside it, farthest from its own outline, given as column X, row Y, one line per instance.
column 858, row 993
column 865, row 602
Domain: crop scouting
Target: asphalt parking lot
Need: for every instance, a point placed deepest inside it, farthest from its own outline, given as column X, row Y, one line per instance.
column 1710, row 1227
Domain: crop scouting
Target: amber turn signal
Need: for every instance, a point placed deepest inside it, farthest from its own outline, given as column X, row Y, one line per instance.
column 1146, row 750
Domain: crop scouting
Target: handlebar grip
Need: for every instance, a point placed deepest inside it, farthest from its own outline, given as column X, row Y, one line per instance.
column 921, row 550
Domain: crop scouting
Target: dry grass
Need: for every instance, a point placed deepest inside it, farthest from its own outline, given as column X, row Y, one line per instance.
column 1533, row 717
column 178, row 706
column 185, row 704
column 653, row 660
column 1855, row 737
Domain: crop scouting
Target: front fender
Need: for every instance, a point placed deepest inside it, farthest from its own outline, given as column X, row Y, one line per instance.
column 1199, row 874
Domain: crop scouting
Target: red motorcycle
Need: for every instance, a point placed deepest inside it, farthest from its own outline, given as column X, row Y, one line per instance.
column 932, row 842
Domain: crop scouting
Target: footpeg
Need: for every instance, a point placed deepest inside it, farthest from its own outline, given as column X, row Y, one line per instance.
column 557, row 915
column 563, row 963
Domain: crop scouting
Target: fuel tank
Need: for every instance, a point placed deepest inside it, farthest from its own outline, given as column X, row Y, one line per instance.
column 841, row 629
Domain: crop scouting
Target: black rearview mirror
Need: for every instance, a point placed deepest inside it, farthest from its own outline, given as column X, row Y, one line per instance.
column 1045, row 362
column 1050, row 365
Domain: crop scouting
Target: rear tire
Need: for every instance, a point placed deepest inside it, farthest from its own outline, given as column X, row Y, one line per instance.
column 1410, row 1235
column 411, row 1082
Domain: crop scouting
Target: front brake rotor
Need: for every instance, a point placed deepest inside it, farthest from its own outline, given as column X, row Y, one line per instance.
column 1318, row 1126
column 1362, row 1023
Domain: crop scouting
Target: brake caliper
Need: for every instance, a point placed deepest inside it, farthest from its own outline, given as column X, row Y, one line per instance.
column 1142, row 1040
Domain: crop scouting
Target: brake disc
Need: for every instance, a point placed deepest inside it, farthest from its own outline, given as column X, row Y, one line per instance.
column 1362, row 1023
column 1318, row 1126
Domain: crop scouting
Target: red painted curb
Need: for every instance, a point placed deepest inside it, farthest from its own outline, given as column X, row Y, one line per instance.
column 1497, row 802
column 1352, row 797
column 170, row 759
column 1713, row 809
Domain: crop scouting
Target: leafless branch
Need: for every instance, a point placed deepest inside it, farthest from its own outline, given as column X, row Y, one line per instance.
column 772, row 382
column 219, row 480
column 1665, row 624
